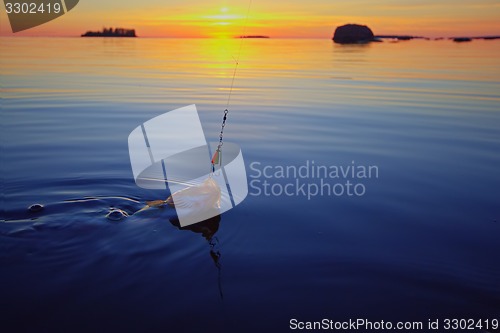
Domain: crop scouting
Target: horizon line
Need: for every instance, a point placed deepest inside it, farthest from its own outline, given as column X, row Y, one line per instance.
column 240, row 37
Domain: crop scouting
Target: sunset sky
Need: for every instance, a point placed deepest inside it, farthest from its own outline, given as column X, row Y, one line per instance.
column 278, row 18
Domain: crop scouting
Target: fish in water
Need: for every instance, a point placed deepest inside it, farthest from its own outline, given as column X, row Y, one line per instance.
column 198, row 198
column 202, row 200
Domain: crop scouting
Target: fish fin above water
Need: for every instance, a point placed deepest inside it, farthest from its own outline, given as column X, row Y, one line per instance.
column 142, row 209
column 156, row 203
column 170, row 201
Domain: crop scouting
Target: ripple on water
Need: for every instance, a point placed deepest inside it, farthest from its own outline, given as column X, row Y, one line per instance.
column 116, row 214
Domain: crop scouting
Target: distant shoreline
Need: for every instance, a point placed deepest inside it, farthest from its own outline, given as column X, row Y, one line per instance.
column 253, row 36
column 409, row 37
column 237, row 37
column 117, row 32
column 399, row 37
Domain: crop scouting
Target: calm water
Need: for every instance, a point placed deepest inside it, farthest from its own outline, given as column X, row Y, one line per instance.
column 421, row 243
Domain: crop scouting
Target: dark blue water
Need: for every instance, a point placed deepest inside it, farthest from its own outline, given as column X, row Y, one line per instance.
column 420, row 243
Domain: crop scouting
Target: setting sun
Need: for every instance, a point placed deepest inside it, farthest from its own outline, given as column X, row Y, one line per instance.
column 224, row 23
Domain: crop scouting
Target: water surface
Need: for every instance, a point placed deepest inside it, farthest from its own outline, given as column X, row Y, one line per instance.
column 421, row 243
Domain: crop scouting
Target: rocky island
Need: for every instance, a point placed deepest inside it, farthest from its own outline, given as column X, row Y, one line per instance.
column 353, row 34
column 117, row 32
column 462, row 39
column 469, row 39
column 361, row 34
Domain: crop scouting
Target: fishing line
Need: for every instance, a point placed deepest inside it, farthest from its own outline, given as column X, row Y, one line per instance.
column 174, row 181
column 217, row 157
column 242, row 37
